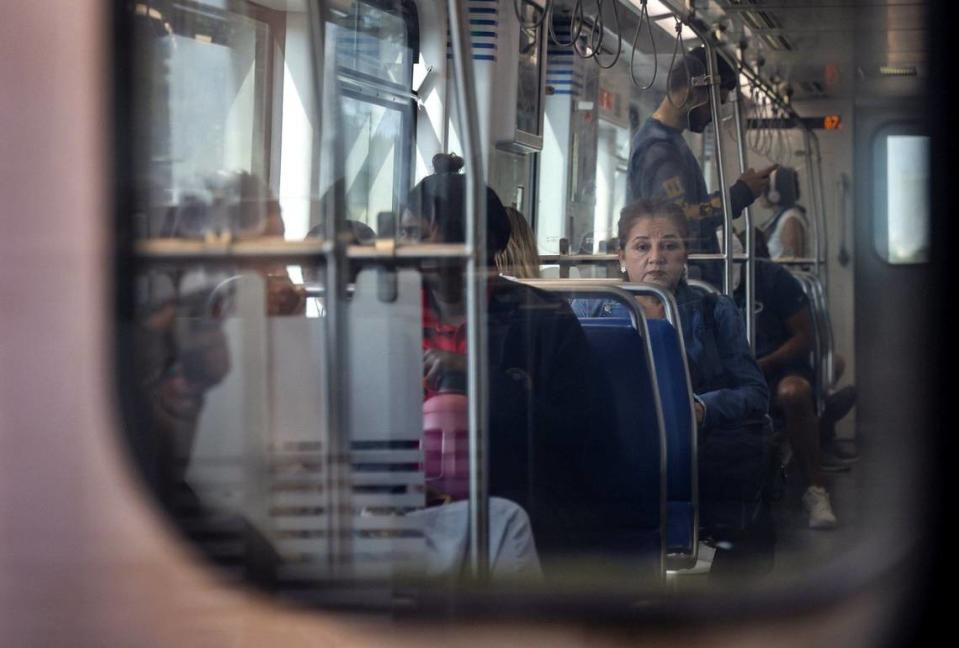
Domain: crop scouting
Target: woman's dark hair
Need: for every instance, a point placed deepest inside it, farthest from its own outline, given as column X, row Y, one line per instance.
column 644, row 208
column 440, row 200
column 787, row 185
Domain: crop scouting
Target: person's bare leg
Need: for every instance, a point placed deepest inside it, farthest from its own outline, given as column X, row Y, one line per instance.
column 838, row 366
column 794, row 396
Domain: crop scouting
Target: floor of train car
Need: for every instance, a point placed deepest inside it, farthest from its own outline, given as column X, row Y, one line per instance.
column 799, row 548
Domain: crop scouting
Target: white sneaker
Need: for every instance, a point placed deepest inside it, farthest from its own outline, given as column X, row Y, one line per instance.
column 816, row 502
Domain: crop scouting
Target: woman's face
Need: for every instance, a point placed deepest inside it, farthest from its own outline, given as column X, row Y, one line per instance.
column 444, row 278
column 654, row 253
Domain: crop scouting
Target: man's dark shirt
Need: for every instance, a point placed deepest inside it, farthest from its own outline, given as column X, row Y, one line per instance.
column 662, row 167
column 779, row 296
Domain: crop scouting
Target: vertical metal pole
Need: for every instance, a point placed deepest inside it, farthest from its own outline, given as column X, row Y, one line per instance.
column 750, row 268
column 824, row 261
column 814, row 205
column 338, row 482
column 475, row 290
column 712, row 70
column 824, row 225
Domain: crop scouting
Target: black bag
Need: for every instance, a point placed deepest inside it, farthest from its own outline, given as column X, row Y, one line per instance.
column 735, row 463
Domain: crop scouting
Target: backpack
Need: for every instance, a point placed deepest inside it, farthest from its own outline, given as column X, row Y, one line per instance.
column 736, row 466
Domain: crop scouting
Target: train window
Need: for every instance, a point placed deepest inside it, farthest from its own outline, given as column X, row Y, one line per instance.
column 901, row 225
column 376, row 45
column 299, row 374
column 218, row 65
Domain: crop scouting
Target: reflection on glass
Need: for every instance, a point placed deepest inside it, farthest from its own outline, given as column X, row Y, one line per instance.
column 374, row 41
column 373, row 141
column 529, row 76
column 307, row 432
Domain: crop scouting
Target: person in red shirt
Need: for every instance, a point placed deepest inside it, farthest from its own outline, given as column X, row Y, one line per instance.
column 539, row 413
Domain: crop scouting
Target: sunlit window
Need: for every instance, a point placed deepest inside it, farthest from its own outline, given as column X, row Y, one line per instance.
column 907, row 200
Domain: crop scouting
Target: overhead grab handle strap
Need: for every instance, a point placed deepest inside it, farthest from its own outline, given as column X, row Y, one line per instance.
column 643, row 18
column 574, row 33
column 619, row 38
column 679, row 46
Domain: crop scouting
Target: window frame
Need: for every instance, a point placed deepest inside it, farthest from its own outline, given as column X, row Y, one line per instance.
column 363, row 87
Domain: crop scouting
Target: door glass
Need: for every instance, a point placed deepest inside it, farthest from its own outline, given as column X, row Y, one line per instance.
column 904, row 239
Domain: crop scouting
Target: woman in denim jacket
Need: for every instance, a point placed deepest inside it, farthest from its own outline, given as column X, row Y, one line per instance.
column 729, row 388
column 731, row 394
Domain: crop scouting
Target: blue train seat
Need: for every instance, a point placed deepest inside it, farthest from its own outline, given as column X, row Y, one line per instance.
column 675, row 396
column 627, row 459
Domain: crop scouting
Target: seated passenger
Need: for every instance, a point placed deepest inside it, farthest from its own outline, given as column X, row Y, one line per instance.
column 785, row 232
column 538, row 419
column 520, row 259
column 835, row 455
column 784, row 340
column 512, row 551
column 731, row 396
column 726, row 380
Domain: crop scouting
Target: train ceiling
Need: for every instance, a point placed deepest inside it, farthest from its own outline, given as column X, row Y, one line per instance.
column 835, row 48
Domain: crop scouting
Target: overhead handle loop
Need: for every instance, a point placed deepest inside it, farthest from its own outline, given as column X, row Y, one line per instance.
column 643, row 18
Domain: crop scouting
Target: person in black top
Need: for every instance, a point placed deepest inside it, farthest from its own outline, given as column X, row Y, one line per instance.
column 784, row 340
column 539, row 414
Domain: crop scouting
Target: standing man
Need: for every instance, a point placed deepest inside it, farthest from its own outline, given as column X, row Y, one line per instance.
column 662, row 167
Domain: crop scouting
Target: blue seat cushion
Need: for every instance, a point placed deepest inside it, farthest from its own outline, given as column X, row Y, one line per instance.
column 624, row 454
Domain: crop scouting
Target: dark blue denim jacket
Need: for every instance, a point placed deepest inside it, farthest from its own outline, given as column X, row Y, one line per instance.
column 725, row 376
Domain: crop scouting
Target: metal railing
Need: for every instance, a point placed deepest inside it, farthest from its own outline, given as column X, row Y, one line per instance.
column 475, row 288
column 584, row 288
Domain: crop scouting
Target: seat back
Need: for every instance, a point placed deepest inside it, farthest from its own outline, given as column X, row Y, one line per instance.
column 816, row 313
column 675, row 395
column 672, row 376
column 627, row 455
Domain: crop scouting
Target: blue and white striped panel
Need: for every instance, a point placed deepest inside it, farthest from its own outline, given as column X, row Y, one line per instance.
column 561, row 70
column 484, row 30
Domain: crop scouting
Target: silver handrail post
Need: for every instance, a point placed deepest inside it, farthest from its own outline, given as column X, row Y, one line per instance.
column 750, row 267
column 335, row 335
column 475, row 290
column 712, row 70
column 810, row 174
column 824, row 231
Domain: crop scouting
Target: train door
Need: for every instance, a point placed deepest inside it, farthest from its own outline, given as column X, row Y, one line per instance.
column 893, row 298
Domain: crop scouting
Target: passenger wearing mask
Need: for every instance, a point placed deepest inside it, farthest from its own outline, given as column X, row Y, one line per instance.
column 662, row 166
column 539, row 422
column 729, row 390
column 784, row 340
column 785, row 232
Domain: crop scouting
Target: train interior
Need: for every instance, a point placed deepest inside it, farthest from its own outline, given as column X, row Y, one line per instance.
column 334, row 384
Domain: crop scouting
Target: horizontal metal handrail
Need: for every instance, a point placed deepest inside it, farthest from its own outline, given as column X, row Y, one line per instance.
column 177, row 249
column 795, row 261
column 410, row 252
column 573, row 259
column 276, row 249
column 547, row 259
